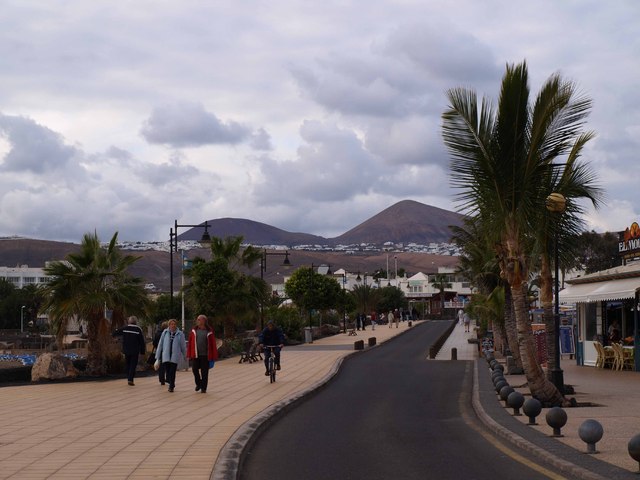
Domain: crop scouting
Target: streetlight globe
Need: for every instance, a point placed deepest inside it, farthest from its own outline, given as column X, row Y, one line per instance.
column 556, row 203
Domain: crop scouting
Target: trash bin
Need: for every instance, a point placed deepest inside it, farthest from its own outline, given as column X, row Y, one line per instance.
column 308, row 335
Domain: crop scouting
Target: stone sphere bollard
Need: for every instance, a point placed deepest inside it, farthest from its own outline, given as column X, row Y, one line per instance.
column 493, row 364
column 515, row 400
column 500, row 384
column 497, row 377
column 499, row 367
column 634, row 449
column 497, row 373
column 489, row 357
column 532, row 408
column 505, row 392
column 556, row 419
column 590, row 432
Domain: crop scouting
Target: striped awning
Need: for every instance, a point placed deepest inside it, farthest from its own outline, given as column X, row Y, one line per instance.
column 600, row 291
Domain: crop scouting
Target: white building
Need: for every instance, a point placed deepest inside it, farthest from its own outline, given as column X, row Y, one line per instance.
column 23, row 275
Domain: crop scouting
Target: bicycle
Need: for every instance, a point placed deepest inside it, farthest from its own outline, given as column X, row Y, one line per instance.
column 271, row 362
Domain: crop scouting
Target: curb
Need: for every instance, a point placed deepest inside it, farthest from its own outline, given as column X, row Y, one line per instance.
column 493, row 426
column 229, row 460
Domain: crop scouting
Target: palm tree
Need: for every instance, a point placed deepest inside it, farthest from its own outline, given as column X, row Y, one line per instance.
column 440, row 282
column 220, row 290
column 501, row 162
column 87, row 284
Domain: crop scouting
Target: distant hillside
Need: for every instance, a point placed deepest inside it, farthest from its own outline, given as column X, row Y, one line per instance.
column 405, row 222
column 252, row 232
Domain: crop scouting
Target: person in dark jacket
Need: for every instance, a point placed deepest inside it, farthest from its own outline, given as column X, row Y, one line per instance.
column 156, row 339
column 271, row 336
column 133, row 345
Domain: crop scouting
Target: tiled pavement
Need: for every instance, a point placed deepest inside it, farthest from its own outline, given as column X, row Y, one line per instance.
column 108, row 430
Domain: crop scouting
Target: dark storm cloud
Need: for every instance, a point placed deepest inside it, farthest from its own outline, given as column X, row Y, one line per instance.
column 188, row 124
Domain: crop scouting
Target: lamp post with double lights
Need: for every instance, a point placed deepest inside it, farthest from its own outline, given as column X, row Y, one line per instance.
column 173, row 247
column 263, row 269
column 22, row 318
column 556, row 203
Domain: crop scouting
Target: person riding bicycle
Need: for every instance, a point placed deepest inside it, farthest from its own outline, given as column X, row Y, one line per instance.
column 271, row 336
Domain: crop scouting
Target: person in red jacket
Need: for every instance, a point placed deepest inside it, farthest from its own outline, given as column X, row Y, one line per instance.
column 203, row 352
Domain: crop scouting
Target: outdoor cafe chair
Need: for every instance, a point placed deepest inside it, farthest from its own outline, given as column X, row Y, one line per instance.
column 606, row 356
column 618, row 356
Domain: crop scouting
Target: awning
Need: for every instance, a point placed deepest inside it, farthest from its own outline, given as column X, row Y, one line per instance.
column 599, row 291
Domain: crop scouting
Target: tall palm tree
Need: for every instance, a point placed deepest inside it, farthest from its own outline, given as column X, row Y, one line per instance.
column 87, row 284
column 440, row 282
column 501, row 160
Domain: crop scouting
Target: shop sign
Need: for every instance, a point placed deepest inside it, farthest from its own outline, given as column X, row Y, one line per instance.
column 629, row 243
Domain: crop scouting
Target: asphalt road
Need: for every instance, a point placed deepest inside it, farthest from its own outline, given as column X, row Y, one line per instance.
column 388, row 414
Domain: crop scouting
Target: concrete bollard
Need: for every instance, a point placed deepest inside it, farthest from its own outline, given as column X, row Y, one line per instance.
column 454, row 353
column 634, row 449
column 556, row 419
column 372, row 341
column 590, row 432
column 358, row 345
column 532, row 408
column 515, row 400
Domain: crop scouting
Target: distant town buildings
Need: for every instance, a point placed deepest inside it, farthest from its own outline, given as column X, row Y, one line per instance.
column 23, row 275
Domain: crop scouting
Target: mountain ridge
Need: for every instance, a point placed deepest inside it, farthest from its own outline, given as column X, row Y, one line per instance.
column 407, row 221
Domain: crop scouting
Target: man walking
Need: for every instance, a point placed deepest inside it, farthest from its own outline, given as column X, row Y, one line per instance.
column 133, row 344
column 202, row 351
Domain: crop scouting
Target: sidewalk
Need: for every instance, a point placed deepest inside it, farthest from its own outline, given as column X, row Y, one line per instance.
column 615, row 396
column 108, row 430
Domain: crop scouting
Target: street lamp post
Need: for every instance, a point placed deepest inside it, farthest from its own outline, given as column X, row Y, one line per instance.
column 344, row 302
column 263, row 268
column 556, row 203
column 364, row 294
column 173, row 247
column 22, row 318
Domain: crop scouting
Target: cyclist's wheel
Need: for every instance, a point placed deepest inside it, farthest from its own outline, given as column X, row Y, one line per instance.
column 272, row 373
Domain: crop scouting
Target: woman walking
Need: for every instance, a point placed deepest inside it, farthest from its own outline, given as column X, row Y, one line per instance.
column 171, row 350
column 202, row 352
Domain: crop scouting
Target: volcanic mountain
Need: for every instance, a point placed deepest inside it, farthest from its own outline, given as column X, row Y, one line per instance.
column 404, row 222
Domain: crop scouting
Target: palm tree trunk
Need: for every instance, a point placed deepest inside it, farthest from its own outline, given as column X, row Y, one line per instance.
column 539, row 386
column 511, row 327
column 96, row 363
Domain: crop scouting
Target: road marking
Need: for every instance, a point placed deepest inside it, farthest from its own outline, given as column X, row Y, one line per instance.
column 468, row 419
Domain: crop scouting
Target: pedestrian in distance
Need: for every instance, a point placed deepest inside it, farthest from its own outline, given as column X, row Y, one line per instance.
column 133, row 345
column 467, row 322
column 390, row 319
column 156, row 339
column 202, row 351
column 460, row 317
column 171, row 351
column 396, row 317
column 271, row 336
column 373, row 320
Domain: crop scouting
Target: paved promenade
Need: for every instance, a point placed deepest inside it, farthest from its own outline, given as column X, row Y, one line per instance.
column 108, row 430
column 615, row 396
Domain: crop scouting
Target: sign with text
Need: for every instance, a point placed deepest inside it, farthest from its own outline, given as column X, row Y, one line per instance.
column 629, row 240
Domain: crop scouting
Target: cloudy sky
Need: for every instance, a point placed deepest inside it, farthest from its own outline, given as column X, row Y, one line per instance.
column 310, row 116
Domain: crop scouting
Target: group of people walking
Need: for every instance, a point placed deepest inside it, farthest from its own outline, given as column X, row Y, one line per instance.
column 170, row 349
